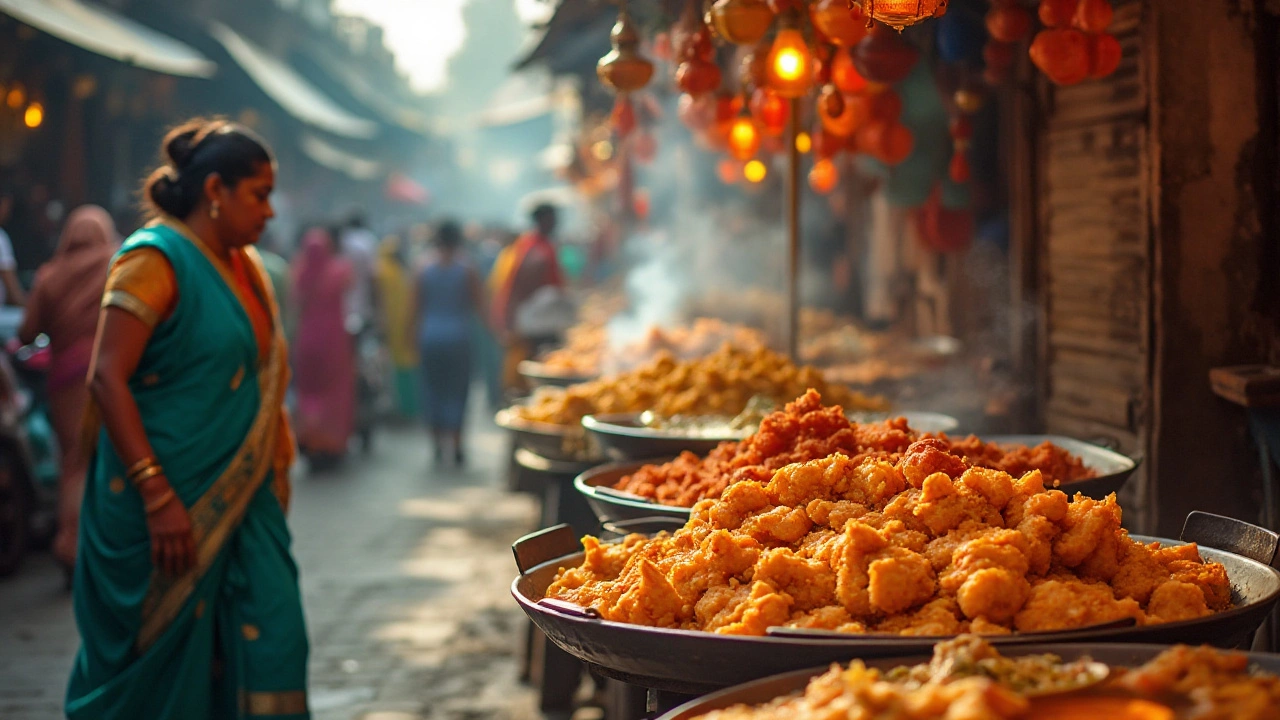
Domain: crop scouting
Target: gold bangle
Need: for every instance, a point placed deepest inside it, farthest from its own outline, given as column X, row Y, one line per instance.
column 139, row 466
column 146, row 473
column 163, row 500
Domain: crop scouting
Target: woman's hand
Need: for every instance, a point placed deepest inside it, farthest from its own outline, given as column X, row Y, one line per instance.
column 173, row 544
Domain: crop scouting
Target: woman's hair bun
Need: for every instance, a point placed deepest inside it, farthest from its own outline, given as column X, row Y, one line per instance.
column 191, row 152
column 180, row 145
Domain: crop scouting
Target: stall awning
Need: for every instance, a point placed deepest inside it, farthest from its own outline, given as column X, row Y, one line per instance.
column 334, row 158
column 110, row 34
column 290, row 90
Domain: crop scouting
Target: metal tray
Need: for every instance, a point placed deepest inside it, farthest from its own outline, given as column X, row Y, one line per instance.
column 612, row 505
column 554, row 442
column 694, row 662
column 762, row 691
column 538, row 374
column 1114, row 469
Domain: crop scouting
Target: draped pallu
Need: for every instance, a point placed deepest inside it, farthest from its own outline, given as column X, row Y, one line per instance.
column 227, row 639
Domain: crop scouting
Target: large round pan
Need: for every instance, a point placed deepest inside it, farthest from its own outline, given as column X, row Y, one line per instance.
column 554, row 442
column 614, row 505
column 762, row 691
column 693, row 662
column 539, row 375
column 1113, row 468
column 624, row 436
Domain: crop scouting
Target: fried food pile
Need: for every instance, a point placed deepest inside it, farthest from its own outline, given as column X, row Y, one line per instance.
column 925, row 545
column 806, row 430
column 721, row 383
column 967, row 679
column 587, row 351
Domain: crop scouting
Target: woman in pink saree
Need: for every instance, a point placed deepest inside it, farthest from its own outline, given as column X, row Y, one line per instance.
column 323, row 353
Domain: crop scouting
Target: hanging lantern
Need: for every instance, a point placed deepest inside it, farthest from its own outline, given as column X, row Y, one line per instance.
column 1062, row 54
column 884, row 57
column 958, row 169
column 790, row 68
column 697, row 76
column 725, row 113
column 845, row 74
column 1057, row 13
column 824, row 176
column 754, row 171
column 744, row 137
column 898, row 14
column 1008, row 22
column 623, row 117
column 1093, row 16
column 770, row 110
column 843, row 25
column 1104, row 55
column 887, row 141
column 851, row 115
column 624, row 69
column 689, row 36
column 741, row 22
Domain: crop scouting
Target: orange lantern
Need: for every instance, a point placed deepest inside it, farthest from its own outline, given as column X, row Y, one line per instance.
column 852, row 115
column 790, row 68
column 741, row 22
column 1062, row 54
column 1104, row 55
column 770, row 111
column 697, row 76
column 744, row 137
column 845, row 75
column 898, row 14
column 624, row 69
column 1057, row 13
column 884, row 57
column 824, row 176
column 843, row 25
column 1093, row 16
column 1008, row 22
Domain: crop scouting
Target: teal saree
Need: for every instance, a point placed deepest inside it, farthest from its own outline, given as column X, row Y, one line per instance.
column 228, row 638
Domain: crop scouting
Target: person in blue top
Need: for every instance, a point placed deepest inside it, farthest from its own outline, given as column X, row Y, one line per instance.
column 447, row 299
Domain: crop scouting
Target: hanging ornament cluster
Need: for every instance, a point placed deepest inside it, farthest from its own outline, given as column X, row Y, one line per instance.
column 841, row 25
column 898, row 14
column 697, row 73
column 1008, row 23
column 624, row 69
column 884, row 57
column 789, row 68
column 741, row 22
column 1075, row 45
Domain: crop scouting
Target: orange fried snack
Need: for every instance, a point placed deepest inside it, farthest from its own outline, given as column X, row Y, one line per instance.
column 806, row 430
column 924, row 545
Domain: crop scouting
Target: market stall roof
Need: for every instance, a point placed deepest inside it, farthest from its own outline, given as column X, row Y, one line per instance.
column 397, row 110
column 110, row 34
column 335, row 158
column 290, row 90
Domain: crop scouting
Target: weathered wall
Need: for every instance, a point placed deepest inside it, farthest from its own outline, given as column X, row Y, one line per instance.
column 1213, row 137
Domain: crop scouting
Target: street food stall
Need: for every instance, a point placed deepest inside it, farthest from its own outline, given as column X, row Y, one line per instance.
column 996, row 453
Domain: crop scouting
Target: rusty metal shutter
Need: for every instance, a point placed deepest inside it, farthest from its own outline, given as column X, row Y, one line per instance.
column 1094, row 252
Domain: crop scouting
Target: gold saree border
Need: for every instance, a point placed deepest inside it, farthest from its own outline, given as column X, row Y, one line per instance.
column 268, row 704
column 133, row 305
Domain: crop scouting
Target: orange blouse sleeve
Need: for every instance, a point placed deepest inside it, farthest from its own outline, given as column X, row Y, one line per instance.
column 143, row 284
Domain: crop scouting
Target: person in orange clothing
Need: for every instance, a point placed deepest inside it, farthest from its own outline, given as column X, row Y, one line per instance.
column 185, row 592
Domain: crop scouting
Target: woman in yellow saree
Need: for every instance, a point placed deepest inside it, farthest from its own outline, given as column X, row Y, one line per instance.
column 186, row 594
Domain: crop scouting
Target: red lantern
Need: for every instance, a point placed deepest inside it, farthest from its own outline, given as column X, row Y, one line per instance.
column 824, row 176
column 1062, row 54
column 1104, row 55
column 884, row 57
column 697, row 77
column 852, row 115
column 1093, row 16
column 901, row 13
column 770, row 111
column 887, row 141
column 958, row 170
column 845, row 75
column 843, row 26
column 1008, row 22
column 623, row 117
column 790, row 68
column 1057, row 13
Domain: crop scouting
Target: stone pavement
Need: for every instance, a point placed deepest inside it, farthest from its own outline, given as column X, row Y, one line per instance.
column 405, row 576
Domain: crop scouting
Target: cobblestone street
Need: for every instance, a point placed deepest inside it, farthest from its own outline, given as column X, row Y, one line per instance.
column 405, row 574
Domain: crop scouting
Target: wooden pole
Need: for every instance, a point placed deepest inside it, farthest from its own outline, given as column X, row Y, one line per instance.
column 793, row 233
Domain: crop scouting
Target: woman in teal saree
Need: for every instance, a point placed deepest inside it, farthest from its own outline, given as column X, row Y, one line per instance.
column 186, row 594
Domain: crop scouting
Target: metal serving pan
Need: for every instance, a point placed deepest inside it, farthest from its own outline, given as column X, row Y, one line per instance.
column 1114, row 469
column 614, row 505
column 694, row 662
column 554, row 442
column 762, row 691
column 623, row 436
column 538, row 374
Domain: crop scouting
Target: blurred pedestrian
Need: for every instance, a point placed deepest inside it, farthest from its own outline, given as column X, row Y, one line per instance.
column 186, row 594
column 324, row 370
column 10, row 289
column 522, row 306
column 358, row 245
column 64, row 306
column 446, row 301
column 395, row 296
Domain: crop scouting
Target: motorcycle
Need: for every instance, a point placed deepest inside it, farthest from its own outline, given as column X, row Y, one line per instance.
column 28, row 455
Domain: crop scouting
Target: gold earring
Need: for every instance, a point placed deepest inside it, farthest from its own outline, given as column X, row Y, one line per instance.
column 213, row 211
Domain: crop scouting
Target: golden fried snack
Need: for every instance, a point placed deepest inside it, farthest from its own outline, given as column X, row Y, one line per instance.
column 806, row 430
column 920, row 544
column 721, row 383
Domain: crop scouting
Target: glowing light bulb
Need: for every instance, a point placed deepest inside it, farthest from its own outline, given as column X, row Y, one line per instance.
column 790, row 64
column 804, row 142
column 744, row 138
column 16, row 97
column 754, row 171
column 34, row 115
